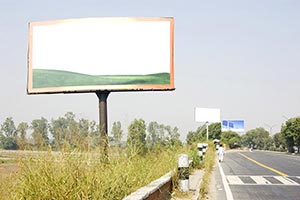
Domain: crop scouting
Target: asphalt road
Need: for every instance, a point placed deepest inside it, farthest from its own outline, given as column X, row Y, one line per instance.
column 245, row 175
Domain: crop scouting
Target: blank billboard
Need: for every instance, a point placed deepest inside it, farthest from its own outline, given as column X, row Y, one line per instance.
column 91, row 54
column 207, row 115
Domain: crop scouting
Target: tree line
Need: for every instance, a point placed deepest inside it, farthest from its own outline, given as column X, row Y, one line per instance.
column 288, row 139
column 67, row 132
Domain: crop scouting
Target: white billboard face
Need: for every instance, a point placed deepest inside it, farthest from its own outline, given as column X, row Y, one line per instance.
column 207, row 115
column 85, row 55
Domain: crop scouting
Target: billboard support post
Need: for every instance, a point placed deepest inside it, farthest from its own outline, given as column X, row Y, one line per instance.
column 102, row 96
column 207, row 131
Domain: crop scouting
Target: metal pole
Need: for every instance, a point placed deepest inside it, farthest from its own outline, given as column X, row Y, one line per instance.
column 207, row 131
column 102, row 96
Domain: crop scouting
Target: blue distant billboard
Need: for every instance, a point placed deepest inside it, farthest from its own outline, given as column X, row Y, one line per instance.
column 233, row 125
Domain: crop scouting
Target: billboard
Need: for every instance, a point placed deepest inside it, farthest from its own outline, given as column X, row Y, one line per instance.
column 207, row 115
column 233, row 125
column 94, row 54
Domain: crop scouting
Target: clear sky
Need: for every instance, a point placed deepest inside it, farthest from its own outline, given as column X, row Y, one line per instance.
column 242, row 56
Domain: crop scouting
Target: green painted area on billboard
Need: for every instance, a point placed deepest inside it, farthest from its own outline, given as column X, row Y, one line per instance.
column 44, row 78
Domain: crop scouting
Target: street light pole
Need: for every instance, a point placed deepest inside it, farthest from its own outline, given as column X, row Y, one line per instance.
column 270, row 127
column 207, row 131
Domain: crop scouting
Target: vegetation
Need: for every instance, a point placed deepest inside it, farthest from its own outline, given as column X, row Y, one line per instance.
column 72, row 167
column 117, row 133
column 288, row 139
column 230, row 138
column 214, row 132
column 209, row 162
column 83, row 175
column 259, row 138
column 291, row 132
column 136, row 139
column 8, row 133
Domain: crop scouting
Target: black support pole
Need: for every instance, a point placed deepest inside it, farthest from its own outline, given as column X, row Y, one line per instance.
column 102, row 96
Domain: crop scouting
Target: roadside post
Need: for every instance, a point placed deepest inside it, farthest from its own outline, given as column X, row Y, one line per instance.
column 183, row 171
column 200, row 151
column 205, row 145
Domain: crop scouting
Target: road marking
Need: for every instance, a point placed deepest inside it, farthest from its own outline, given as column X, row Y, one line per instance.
column 234, row 180
column 226, row 186
column 265, row 166
column 260, row 180
column 285, row 180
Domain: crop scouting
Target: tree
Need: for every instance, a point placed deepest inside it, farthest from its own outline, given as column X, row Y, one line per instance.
column 259, row 138
column 155, row 135
column 73, row 130
column 9, row 134
column 117, row 133
column 8, row 127
column 196, row 136
column 173, row 136
column 136, row 139
column 95, row 134
column 192, row 137
column 279, row 141
column 291, row 132
column 1, row 139
column 214, row 131
column 84, row 136
column 230, row 138
column 22, row 130
column 59, row 129
column 40, row 132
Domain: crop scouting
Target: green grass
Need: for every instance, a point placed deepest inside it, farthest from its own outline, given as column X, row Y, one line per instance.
column 43, row 78
column 83, row 175
column 209, row 162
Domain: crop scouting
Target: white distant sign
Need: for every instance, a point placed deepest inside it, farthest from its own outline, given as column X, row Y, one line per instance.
column 207, row 115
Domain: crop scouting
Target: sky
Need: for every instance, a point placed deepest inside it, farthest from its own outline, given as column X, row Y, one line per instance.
column 242, row 56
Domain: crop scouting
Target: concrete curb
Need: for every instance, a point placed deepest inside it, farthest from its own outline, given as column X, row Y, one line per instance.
column 159, row 189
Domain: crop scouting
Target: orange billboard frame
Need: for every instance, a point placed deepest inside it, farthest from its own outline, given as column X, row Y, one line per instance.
column 101, row 54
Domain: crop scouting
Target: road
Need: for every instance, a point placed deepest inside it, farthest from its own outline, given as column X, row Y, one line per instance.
column 245, row 175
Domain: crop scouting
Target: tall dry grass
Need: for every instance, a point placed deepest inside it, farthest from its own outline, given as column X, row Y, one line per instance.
column 85, row 175
column 209, row 162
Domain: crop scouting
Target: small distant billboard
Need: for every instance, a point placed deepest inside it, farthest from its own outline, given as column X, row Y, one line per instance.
column 207, row 115
column 101, row 54
column 233, row 125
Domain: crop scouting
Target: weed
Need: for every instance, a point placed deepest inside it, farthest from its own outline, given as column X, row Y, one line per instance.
column 84, row 175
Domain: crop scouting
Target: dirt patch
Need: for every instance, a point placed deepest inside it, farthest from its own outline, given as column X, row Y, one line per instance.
column 7, row 169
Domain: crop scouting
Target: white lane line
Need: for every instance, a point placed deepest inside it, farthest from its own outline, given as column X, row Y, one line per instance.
column 260, row 180
column 226, row 186
column 285, row 180
column 234, row 180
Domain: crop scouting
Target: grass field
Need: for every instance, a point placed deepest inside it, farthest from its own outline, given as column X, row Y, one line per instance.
column 43, row 78
column 82, row 175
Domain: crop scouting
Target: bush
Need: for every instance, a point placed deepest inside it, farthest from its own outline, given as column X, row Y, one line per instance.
column 196, row 164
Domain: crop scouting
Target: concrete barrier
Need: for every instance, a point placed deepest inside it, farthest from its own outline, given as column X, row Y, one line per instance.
column 159, row 189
